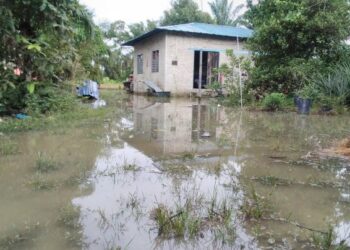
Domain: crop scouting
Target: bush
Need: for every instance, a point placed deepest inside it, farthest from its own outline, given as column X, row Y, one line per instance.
column 49, row 99
column 309, row 91
column 274, row 102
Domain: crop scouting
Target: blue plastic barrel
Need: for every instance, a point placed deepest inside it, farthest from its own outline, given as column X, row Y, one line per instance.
column 304, row 105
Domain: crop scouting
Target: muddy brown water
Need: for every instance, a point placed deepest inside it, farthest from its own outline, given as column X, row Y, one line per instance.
column 153, row 152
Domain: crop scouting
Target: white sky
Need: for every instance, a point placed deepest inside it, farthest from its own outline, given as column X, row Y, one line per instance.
column 132, row 11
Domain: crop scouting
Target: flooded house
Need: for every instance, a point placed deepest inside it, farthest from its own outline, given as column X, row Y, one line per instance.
column 181, row 59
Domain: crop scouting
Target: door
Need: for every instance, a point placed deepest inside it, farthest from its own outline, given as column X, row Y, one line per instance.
column 205, row 64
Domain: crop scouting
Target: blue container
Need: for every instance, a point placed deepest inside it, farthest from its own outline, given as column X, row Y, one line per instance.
column 304, row 105
column 296, row 100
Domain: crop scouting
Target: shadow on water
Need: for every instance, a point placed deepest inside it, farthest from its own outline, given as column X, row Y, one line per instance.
column 183, row 174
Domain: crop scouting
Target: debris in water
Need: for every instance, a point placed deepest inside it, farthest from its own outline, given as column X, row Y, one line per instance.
column 206, row 134
column 98, row 104
column 89, row 89
column 342, row 149
column 22, row 116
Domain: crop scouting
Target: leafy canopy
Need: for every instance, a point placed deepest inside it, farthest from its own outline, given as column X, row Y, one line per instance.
column 293, row 38
column 224, row 12
column 46, row 42
column 184, row 11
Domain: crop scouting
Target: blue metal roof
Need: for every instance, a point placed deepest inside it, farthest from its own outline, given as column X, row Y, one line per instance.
column 199, row 29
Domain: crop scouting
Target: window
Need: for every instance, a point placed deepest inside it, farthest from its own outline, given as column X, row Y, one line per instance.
column 155, row 61
column 140, row 64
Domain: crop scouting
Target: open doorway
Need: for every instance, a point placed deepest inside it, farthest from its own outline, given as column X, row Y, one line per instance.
column 205, row 63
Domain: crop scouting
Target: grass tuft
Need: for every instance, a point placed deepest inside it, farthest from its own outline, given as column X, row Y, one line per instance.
column 8, row 147
column 40, row 183
column 327, row 241
column 255, row 206
column 69, row 216
column 190, row 220
column 45, row 164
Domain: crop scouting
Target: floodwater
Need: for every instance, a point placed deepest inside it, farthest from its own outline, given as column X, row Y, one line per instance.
column 111, row 174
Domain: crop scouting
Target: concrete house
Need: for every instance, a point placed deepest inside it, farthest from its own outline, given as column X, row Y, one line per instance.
column 181, row 59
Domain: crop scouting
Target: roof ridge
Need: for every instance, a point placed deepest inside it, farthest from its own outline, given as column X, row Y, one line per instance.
column 200, row 29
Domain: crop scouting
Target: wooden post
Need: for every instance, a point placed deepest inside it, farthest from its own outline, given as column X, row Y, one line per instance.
column 240, row 74
column 200, row 73
column 199, row 109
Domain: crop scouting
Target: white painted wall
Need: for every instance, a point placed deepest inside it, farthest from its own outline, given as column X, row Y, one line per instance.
column 145, row 47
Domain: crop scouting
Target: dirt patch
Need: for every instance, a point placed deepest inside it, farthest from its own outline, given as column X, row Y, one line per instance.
column 342, row 149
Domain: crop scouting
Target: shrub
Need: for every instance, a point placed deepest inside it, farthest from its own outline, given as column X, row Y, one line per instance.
column 309, row 91
column 334, row 85
column 274, row 102
column 50, row 99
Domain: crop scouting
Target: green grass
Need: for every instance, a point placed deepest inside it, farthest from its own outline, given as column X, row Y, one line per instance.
column 255, row 206
column 8, row 147
column 131, row 167
column 19, row 238
column 40, row 183
column 80, row 115
column 69, row 220
column 45, row 164
column 194, row 217
column 327, row 241
column 188, row 155
column 69, row 216
column 69, row 119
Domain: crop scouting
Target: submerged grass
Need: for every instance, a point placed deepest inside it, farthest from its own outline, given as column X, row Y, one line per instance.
column 40, row 183
column 175, row 224
column 69, row 216
column 311, row 182
column 327, row 241
column 188, row 155
column 8, row 147
column 194, row 217
column 176, row 169
column 255, row 206
column 69, row 219
column 19, row 237
column 45, row 164
column 131, row 168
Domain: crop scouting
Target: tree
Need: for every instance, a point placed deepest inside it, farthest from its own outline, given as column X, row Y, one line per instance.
column 117, row 63
column 42, row 40
column 294, row 38
column 184, row 11
column 224, row 13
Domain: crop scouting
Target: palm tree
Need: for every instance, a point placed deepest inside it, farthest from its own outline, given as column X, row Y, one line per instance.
column 224, row 13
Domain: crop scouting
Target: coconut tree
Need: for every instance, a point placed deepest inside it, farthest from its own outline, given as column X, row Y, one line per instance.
column 224, row 12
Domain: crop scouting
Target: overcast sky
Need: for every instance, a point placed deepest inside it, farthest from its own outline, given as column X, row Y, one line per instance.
column 132, row 11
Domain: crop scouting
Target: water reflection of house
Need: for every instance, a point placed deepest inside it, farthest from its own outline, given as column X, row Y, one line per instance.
column 175, row 127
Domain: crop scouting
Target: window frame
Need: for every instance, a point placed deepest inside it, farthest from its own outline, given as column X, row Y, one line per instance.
column 139, row 64
column 155, row 61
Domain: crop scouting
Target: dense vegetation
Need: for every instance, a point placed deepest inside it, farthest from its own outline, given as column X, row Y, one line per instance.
column 298, row 48
column 294, row 39
column 43, row 45
column 47, row 44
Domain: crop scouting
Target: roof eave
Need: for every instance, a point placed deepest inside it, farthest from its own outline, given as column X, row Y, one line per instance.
column 141, row 37
column 158, row 30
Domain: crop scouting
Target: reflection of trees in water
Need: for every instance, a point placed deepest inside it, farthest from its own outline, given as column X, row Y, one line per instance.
column 254, row 137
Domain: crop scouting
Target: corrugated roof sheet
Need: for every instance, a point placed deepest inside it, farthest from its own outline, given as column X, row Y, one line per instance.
column 199, row 29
